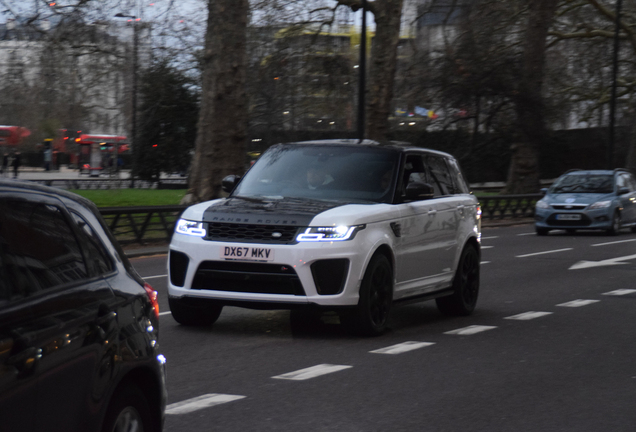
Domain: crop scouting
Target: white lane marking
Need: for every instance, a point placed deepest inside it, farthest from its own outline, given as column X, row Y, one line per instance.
column 620, row 292
column 528, row 315
column 578, row 303
column 312, row 372
column 614, row 242
column 488, row 238
column 485, row 262
column 154, row 277
column 164, row 313
column 470, row 330
column 543, row 253
column 200, row 402
column 607, row 262
column 524, row 234
column 487, row 247
column 402, row 348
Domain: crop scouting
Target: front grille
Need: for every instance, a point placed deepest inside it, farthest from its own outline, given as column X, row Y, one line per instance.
column 569, row 206
column 584, row 221
column 251, row 233
column 247, row 277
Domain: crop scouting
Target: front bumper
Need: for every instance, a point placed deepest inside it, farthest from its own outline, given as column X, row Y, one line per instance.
column 589, row 219
column 292, row 279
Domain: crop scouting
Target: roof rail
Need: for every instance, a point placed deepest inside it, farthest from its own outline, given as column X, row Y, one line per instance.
column 572, row 170
column 622, row 169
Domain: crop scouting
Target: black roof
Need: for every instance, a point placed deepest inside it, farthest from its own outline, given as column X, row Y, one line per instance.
column 398, row 145
column 27, row 186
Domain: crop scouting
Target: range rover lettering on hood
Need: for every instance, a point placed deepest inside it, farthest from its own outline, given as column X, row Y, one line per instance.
column 286, row 211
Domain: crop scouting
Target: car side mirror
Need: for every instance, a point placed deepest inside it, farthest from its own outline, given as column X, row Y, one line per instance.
column 418, row 191
column 229, row 183
column 623, row 191
column 543, row 191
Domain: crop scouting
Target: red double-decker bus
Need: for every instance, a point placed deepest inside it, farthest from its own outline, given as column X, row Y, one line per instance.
column 100, row 152
column 12, row 136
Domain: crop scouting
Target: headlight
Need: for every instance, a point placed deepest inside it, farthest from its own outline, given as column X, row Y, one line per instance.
column 190, row 228
column 600, row 205
column 332, row 233
column 542, row 204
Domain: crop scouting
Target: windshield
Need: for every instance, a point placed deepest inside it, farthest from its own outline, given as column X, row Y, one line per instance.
column 322, row 172
column 584, row 183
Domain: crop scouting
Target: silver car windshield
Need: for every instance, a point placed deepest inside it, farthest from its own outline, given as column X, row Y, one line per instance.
column 326, row 172
column 584, row 183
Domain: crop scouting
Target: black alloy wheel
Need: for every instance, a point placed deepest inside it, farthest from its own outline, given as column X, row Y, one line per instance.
column 465, row 284
column 371, row 316
column 616, row 224
column 542, row 231
column 130, row 411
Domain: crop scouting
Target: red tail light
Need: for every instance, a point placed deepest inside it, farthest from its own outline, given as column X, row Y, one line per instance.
column 152, row 295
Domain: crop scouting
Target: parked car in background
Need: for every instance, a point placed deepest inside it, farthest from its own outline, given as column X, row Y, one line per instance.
column 589, row 199
column 78, row 326
column 331, row 225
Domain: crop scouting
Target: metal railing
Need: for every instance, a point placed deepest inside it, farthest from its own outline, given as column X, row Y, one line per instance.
column 85, row 183
column 150, row 224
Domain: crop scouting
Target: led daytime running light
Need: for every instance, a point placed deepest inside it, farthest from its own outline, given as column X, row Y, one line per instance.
column 190, row 228
column 323, row 234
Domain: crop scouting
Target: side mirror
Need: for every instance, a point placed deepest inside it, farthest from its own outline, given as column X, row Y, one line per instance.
column 229, row 183
column 543, row 191
column 623, row 191
column 418, row 191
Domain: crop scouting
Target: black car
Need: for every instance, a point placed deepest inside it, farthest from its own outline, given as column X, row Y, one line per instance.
column 78, row 325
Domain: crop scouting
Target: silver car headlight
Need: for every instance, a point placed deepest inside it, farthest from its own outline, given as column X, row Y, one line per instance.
column 189, row 227
column 542, row 204
column 329, row 234
column 600, row 205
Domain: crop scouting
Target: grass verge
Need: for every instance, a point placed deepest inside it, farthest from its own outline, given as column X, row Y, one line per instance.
column 132, row 197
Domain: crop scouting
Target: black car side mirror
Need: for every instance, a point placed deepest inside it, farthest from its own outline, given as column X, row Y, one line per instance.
column 229, row 183
column 543, row 191
column 623, row 191
column 418, row 191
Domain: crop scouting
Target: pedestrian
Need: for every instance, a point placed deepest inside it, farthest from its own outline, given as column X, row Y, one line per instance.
column 5, row 164
column 16, row 164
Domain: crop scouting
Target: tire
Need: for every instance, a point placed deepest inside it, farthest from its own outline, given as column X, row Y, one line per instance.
column 615, row 228
column 542, row 231
column 203, row 314
column 633, row 229
column 371, row 316
column 129, row 411
column 570, row 231
column 465, row 285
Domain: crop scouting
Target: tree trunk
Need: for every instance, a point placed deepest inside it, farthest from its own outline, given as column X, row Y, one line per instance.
column 383, row 64
column 630, row 161
column 222, row 127
column 523, row 175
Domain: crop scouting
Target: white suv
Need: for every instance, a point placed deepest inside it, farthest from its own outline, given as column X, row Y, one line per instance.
column 331, row 225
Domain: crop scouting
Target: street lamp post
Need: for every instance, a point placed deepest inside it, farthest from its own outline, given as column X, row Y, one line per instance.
column 133, row 138
column 610, row 147
column 362, row 73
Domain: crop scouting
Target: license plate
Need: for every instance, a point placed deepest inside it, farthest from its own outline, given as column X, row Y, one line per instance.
column 568, row 217
column 248, row 253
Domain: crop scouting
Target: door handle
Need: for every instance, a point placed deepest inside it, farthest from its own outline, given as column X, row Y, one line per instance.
column 432, row 212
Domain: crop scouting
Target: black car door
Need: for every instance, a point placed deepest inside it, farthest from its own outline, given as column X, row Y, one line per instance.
column 72, row 316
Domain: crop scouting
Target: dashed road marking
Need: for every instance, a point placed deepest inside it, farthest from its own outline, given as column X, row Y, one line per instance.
column 543, row 253
column 470, row 330
column 578, row 303
column 164, row 313
column 200, row 402
column 525, row 234
column 488, row 238
column 485, row 262
column 614, row 242
column 154, row 277
column 528, row 315
column 312, row 372
column 487, row 247
column 402, row 348
column 620, row 292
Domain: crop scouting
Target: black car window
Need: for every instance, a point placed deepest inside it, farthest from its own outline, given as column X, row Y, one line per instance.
column 440, row 176
column 414, row 172
column 623, row 180
column 97, row 258
column 584, row 183
column 39, row 249
column 458, row 179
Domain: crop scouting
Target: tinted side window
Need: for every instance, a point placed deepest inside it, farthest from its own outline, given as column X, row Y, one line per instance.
column 458, row 179
column 39, row 249
column 624, row 181
column 441, row 179
column 414, row 171
column 97, row 259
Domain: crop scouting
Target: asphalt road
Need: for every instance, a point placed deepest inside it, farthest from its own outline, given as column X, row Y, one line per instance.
column 551, row 347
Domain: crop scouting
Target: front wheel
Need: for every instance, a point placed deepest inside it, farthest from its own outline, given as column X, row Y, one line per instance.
column 129, row 411
column 371, row 316
column 195, row 312
column 616, row 224
column 542, row 231
column 465, row 285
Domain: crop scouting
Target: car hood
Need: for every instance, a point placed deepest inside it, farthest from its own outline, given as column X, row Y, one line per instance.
column 577, row 198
